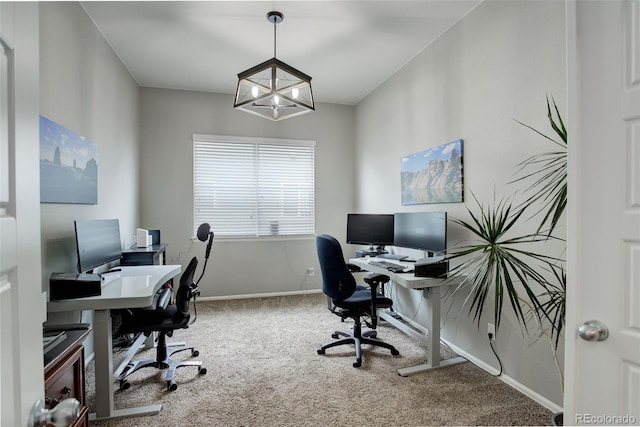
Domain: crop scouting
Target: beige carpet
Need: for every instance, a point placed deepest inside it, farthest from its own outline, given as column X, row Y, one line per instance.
column 263, row 370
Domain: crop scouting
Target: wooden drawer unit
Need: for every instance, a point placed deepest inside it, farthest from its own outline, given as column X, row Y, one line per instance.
column 64, row 374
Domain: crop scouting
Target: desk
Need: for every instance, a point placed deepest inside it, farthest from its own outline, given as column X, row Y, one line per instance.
column 131, row 287
column 431, row 293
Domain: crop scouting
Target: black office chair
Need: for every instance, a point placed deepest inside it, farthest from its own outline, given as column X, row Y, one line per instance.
column 174, row 316
column 165, row 320
column 350, row 300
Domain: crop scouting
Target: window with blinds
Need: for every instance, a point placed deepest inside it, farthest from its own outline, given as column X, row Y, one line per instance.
column 251, row 187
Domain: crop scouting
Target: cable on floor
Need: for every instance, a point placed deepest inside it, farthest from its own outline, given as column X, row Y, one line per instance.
column 499, row 374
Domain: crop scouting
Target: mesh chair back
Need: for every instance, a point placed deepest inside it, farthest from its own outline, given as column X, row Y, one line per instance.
column 337, row 281
column 184, row 291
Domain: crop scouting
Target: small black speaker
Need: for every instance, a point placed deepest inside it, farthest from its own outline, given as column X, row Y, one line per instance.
column 155, row 237
column 431, row 269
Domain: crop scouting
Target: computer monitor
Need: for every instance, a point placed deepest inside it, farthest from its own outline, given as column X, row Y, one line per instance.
column 370, row 229
column 425, row 231
column 97, row 242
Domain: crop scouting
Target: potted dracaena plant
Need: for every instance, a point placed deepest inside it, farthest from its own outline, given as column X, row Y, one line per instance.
column 501, row 263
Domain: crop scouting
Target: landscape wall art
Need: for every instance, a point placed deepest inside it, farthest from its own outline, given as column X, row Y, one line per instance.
column 433, row 175
column 68, row 166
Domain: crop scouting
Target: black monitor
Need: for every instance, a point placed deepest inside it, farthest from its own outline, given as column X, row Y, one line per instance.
column 97, row 242
column 426, row 231
column 370, row 229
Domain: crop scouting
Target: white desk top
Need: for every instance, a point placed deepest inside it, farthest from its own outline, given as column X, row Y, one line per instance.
column 133, row 286
column 406, row 280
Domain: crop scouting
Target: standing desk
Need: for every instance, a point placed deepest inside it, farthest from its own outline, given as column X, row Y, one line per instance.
column 132, row 287
column 431, row 292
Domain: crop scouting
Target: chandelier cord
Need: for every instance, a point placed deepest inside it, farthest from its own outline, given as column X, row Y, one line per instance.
column 274, row 38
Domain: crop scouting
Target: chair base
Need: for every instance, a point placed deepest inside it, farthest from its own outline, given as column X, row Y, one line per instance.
column 357, row 338
column 162, row 361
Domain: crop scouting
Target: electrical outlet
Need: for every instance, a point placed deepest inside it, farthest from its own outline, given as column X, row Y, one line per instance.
column 311, row 271
column 491, row 330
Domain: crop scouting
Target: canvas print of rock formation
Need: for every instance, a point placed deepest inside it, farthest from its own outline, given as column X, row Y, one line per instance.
column 433, row 175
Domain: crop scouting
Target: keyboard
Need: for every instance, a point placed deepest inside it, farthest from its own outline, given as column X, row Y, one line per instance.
column 395, row 268
column 393, row 256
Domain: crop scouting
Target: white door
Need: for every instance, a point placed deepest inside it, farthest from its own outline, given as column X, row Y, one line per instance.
column 603, row 377
column 21, row 355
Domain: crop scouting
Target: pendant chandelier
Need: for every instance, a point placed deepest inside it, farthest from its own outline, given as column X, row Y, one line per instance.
column 273, row 89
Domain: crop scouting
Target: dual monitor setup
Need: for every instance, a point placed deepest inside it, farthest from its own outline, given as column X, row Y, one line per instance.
column 424, row 231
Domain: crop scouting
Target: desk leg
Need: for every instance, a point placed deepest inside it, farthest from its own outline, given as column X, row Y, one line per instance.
column 432, row 297
column 103, row 362
column 102, row 345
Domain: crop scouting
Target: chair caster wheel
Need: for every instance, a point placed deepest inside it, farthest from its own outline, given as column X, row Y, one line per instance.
column 202, row 371
column 395, row 352
column 320, row 351
column 195, row 353
column 171, row 386
column 357, row 364
column 335, row 336
column 124, row 385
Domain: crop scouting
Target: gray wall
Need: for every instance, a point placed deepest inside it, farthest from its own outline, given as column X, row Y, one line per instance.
column 85, row 88
column 169, row 118
column 496, row 65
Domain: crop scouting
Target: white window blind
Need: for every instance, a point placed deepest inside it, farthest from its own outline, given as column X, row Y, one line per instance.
column 251, row 187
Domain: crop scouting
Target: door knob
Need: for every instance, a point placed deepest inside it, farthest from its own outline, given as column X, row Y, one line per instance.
column 593, row 330
column 62, row 415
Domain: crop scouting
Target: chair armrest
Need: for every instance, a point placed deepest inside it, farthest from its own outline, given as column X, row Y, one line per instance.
column 164, row 298
column 373, row 280
column 353, row 268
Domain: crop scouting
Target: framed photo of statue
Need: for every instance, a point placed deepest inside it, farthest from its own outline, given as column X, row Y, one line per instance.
column 434, row 175
column 68, row 165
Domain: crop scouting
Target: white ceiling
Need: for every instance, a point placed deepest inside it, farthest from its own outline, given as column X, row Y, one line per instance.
column 348, row 47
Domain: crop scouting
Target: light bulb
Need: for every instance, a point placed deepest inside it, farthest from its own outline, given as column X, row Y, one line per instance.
column 294, row 93
column 276, row 99
column 254, row 91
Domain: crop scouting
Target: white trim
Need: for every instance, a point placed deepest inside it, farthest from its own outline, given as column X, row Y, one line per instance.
column 266, row 295
column 252, row 140
column 553, row 407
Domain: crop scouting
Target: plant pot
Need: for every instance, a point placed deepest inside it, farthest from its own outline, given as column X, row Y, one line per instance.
column 557, row 419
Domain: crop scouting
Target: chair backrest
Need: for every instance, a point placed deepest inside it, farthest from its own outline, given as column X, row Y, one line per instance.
column 337, row 281
column 186, row 287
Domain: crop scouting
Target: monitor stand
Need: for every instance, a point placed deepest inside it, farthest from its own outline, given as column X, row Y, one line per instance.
column 371, row 252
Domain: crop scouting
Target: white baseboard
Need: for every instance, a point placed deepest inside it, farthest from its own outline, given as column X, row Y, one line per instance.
column 89, row 358
column 553, row 407
column 265, row 295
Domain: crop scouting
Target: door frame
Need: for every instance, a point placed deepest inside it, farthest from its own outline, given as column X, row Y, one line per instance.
column 22, row 337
